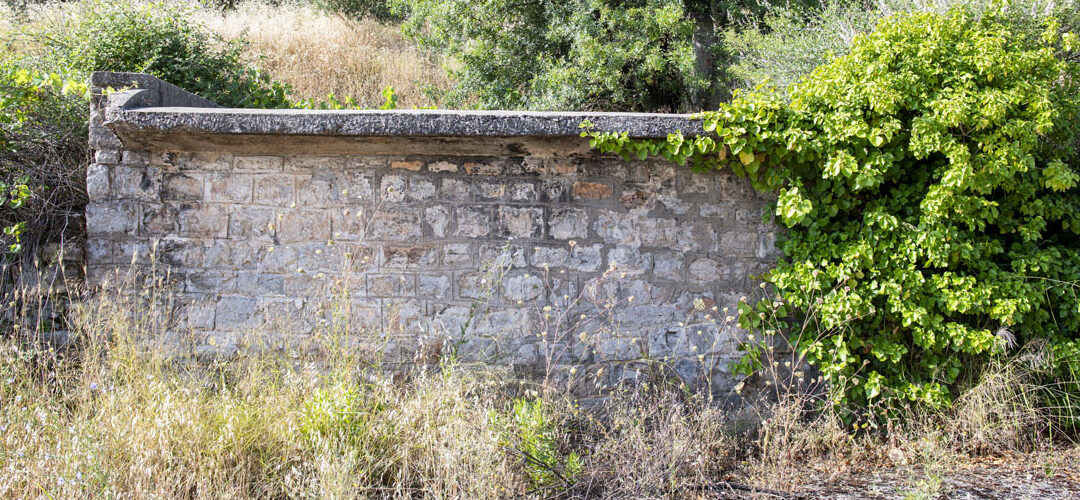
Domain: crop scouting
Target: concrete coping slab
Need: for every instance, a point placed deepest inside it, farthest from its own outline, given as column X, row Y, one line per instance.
column 143, row 110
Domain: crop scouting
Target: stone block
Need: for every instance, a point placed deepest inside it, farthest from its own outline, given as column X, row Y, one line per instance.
column 203, row 220
column 457, row 254
column 617, row 228
column 454, row 189
column 251, row 223
column 306, row 225
column 258, row 164
column 275, row 190
column 235, row 313
column 391, row 285
column 397, row 225
column 473, row 221
column 321, row 190
column 705, row 271
column 697, row 236
column 107, row 157
column 627, row 259
column 739, row 244
column 97, row 182
column 139, row 183
column 159, row 219
column 586, row 258
column 523, row 192
column 545, row 257
column 490, row 191
column 259, row 284
column 393, row 189
column 436, row 221
column 421, row 189
column 414, row 166
column 584, row 191
column 657, row 232
column 442, row 166
column 433, row 286
column 135, row 158
column 667, row 267
column 232, row 188
column 111, row 217
column 520, row 222
column 568, row 223
column 479, row 168
column 523, row 287
column 182, row 187
column 411, row 256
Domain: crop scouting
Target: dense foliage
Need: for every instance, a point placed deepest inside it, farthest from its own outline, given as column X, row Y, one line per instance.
column 159, row 38
column 929, row 181
column 42, row 150
column 643, row 55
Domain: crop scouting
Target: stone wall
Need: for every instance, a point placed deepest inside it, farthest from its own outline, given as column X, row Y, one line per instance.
column 497, row 237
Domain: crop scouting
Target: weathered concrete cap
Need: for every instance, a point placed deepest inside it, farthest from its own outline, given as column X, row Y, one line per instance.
column 150, row 113
column 407, row 123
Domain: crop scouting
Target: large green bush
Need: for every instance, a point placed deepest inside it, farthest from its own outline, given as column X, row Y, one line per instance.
column 42, row 158
column 160, row 39
column 644, row 55
column 929, row 181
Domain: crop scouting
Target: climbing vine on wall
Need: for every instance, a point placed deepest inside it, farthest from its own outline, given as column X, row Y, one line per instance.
column 929, row 183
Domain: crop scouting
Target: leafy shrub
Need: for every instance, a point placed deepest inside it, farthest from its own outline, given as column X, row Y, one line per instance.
column 159, row 39
column 42, row 154
column 582, row 54
column 929, row 179
column 787, row 44
column 381, row 10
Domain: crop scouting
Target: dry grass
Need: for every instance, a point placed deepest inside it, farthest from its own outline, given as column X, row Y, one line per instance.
column 320, row 54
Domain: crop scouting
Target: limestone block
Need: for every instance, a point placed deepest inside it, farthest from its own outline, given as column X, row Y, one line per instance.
column 523, row 192
column 398, row 225
column 442, row 166
column 258, row 284
column 258, row 164
column 617, row 228
column 457, row 254
column 111, row 217
column 411, row 256
column 275, row 190
column 321, row 190
column 667, row 267
column 473, row 221
column 568, row 223
column 233, row 188
column 524, row 287
column 434, row 286
column 697, row 236
column 454, row 189
column 107, row 156
column 705, row 271
column 421, row 188
column 520, row 222
column 97, row 182
column 235, row 313
column 584, row 191
column 392, row 189
column 306, row 225
column 586, row 258
column 545, row 257
column 204, row 220
column 250, row 223
column 490, row 190
column 186, row 186
column 159, row 219
column 739, row 243
column 391, row 285
column 139, row 183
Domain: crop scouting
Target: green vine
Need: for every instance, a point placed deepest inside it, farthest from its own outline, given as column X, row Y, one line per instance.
column 929, row 183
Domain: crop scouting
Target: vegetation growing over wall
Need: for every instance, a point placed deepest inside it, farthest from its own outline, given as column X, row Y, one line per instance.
column 929, row 179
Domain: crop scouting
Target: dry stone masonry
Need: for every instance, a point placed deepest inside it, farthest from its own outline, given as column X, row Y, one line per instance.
column 492, row 236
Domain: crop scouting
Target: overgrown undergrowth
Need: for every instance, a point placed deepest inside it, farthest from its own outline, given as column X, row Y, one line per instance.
column 130, row 409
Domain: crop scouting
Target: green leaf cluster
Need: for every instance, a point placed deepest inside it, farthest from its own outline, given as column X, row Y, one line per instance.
column 928, row 179
column 644, row 55
column 159, row 38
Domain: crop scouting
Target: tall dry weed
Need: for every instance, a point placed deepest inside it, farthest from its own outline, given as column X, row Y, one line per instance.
column 320, row 54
